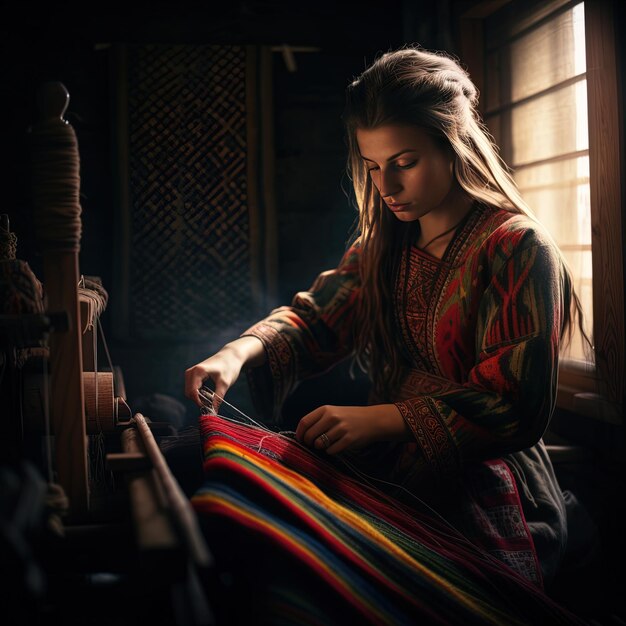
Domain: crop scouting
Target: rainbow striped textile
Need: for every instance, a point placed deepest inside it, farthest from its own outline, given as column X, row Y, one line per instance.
column 299, row 541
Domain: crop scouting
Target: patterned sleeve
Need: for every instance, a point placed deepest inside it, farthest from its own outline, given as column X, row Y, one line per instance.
column 508, row 398
column 307, row 337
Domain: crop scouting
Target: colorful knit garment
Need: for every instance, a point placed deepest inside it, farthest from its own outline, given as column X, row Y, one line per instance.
column 305, row 543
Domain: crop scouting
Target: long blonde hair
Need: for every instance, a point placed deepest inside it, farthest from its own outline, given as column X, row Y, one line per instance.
column 412, row 86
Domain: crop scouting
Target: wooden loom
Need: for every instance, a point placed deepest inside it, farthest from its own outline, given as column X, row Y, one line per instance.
column 83, row 401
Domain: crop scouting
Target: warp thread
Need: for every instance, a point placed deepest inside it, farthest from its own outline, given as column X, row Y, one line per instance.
column 441, row 526
column 207, row 396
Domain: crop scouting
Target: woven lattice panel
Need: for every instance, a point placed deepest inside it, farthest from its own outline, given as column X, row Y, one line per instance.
column 190, row 252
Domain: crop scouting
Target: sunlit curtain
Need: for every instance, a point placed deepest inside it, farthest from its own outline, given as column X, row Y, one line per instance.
column 536, row 108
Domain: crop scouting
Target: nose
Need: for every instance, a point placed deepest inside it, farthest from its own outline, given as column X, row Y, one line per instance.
column 388, row 183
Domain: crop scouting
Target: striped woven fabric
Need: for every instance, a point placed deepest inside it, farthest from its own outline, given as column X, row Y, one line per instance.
column 305, row 543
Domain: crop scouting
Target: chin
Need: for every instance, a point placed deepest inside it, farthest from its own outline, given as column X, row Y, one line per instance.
column 406, row 216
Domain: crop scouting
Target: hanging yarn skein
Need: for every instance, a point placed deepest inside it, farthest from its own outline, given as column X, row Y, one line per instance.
column 55, row 174
column 95, row 297
column 20, row 290
column 8, row 240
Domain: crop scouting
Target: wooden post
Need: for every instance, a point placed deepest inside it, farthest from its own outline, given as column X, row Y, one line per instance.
column 57, row 225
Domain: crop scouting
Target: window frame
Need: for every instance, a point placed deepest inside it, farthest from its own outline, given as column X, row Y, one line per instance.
column 596, row 392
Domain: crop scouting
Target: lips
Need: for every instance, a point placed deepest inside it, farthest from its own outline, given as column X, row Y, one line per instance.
column 397, row 206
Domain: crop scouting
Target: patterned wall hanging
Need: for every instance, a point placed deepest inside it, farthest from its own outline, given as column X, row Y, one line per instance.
column 193, row 236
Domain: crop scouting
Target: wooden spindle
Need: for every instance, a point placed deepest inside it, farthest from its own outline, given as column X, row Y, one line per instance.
column 55, row 185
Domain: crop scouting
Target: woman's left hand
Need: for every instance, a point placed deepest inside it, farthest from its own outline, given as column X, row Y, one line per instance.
column 339, row 428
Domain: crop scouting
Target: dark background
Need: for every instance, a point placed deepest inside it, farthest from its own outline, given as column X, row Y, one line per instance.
column 72, row 43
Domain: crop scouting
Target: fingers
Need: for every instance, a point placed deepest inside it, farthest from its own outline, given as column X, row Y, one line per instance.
column 222, row 369
column 327, row 439
column 312, row 435
column 212, row 399
column 338, row 442
column 220, row 391
column 331, row 429
column 303, row 430
column 194, row 377
column 321, row 430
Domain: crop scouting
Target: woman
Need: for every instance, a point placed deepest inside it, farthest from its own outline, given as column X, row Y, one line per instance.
column 452, row 298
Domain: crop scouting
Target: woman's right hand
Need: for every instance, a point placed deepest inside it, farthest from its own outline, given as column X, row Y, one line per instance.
column 223, row 368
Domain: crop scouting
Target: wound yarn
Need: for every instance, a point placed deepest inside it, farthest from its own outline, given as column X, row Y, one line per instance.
column 55, row 167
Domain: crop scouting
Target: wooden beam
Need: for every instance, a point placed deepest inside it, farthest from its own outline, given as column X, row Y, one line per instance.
column 153, row 528
column 183, row 515
column 606, row 162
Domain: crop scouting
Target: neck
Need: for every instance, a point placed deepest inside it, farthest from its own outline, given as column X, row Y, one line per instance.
column 440, row 220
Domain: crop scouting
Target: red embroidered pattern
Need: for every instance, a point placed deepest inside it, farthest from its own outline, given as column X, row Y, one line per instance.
column 419, row 383
column 494, row 518
column 423, row 284
column 431, row 434
column 413, row 293
column 281, row 357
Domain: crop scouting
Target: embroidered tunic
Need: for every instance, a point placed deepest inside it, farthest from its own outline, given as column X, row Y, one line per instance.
column 480, row 328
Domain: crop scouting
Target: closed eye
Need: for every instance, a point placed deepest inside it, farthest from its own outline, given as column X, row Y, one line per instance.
column 400, row 167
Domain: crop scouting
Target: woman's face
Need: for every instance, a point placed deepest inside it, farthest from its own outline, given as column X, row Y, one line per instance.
column 412, row 172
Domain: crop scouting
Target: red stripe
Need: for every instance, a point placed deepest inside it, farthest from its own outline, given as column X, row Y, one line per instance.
column 336, row 546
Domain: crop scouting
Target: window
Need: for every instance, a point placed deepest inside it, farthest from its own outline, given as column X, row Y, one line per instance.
column 536, row 93
column 548, row 76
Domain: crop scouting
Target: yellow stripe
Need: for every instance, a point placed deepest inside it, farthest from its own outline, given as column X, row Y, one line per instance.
column 361, row 524
column 267, row 526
